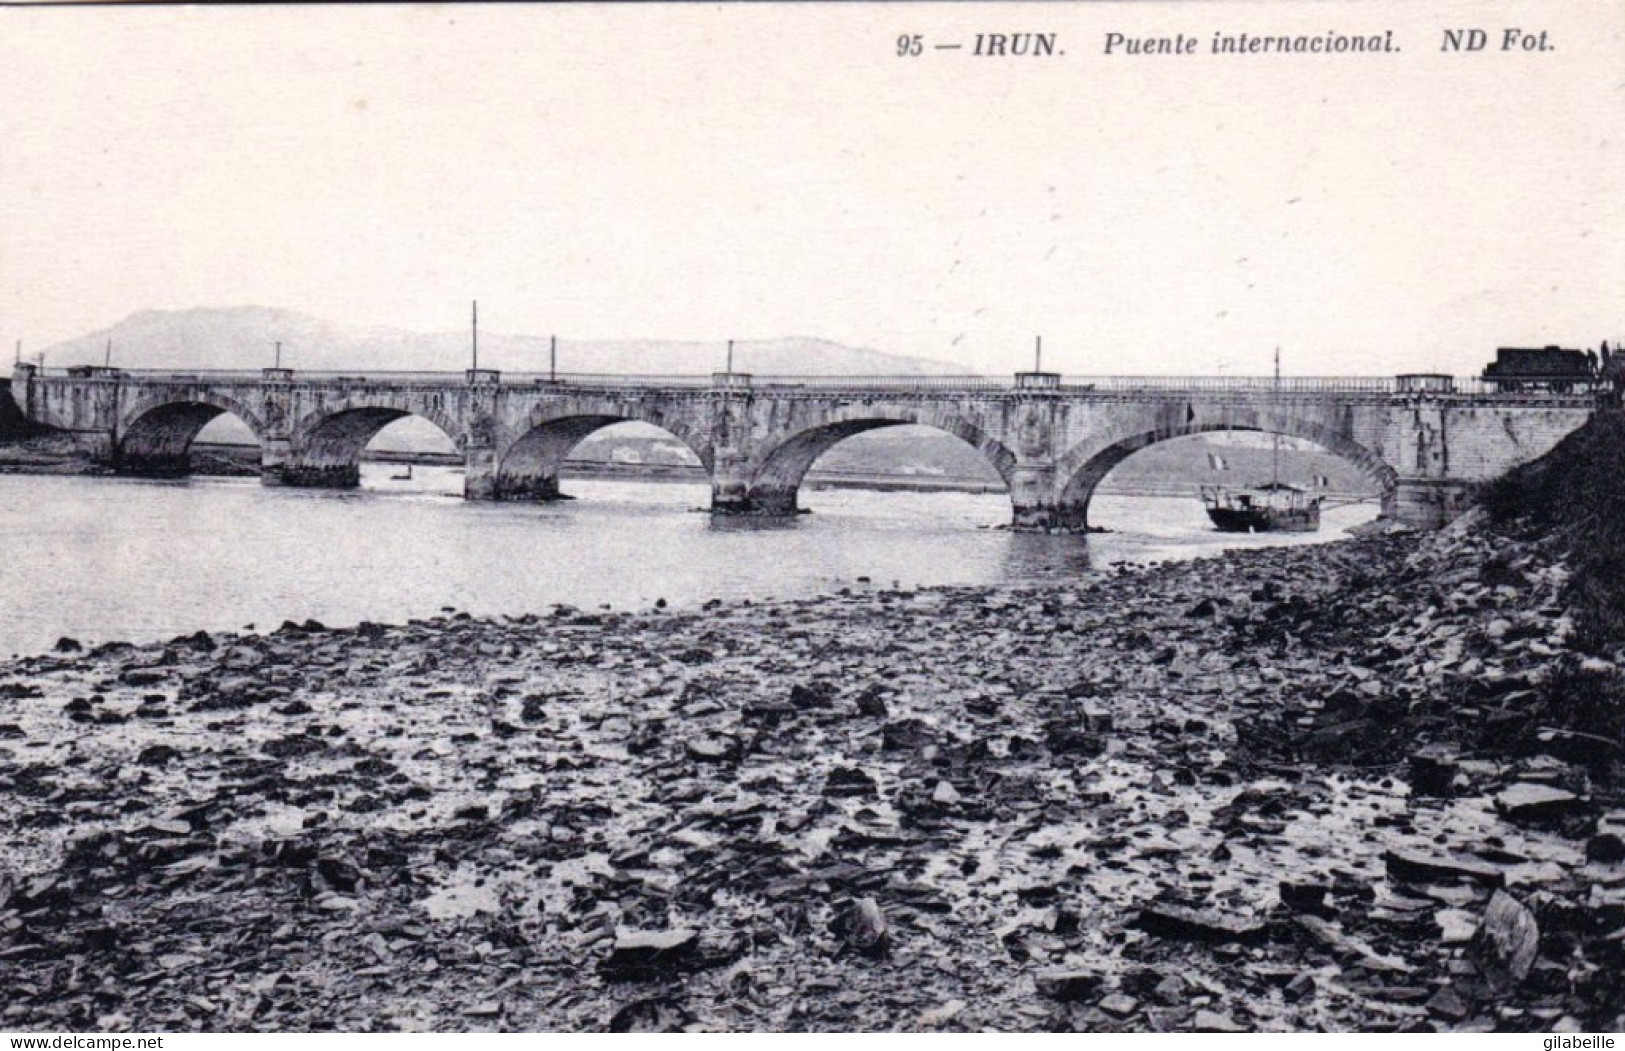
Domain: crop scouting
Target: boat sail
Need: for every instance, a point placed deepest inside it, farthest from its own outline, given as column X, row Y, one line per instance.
column 1273, row 508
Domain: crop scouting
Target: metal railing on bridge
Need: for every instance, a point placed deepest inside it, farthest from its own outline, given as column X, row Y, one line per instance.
column 1204, row 384
column 1125, row 384
column 602, row 379
column 178, row 375
column 924, row 382
column 1119, row 385
column 299, row 376
column 402, row 378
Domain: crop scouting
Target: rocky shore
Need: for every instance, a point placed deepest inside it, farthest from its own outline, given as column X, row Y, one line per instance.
column 1367, row 785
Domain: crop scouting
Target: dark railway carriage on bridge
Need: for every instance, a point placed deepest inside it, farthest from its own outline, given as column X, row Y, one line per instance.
column 1541, row 369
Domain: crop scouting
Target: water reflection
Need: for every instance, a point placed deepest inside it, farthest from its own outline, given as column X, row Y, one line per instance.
column 1038, row 558
column 750, row 523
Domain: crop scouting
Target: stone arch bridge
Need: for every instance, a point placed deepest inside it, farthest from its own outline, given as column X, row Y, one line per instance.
column 1425, row 441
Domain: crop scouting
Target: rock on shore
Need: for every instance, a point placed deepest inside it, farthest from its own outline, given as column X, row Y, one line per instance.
column 1346, row 787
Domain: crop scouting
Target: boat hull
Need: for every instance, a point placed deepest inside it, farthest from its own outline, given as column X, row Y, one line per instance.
column 1265, row 520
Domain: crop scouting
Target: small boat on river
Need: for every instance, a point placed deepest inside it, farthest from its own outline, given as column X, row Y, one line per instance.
column 1272, row 508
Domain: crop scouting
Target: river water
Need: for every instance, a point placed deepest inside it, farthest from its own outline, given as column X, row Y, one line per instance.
column 100, row 559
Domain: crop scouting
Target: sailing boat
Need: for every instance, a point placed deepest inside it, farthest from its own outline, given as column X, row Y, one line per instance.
column 1273, row 508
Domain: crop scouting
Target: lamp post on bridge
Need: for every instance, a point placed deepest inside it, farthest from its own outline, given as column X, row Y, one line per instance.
column 276, row 373
column 475, row 374
column 1038, row 379
column 728, row 379
column 103, row 371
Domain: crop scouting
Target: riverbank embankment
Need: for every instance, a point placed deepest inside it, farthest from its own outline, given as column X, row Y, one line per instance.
column 1367, row 785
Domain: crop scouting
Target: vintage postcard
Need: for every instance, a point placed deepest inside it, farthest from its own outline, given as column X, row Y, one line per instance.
column 1098, row 516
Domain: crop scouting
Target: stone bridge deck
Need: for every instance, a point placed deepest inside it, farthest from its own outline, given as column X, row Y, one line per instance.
column 1425, row 440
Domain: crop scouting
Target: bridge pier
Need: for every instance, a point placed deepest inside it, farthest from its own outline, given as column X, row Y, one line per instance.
column 275, row 454
column 736, row 499
column 730, row 490
column 519, row 489
column 1429, row 503
column 485, row 478
column 1050, row 518
column 732, row 468
column 479, row 474
column 759, row 503
column 1037, row 492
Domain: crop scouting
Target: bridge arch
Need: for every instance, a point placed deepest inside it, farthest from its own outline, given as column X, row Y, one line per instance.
column 776, row 476
column 327, row 444
column 1081, row 469
column 155, row 435
column 528, row 466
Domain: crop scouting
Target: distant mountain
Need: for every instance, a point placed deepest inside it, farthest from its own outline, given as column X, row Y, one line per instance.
column 243, row 338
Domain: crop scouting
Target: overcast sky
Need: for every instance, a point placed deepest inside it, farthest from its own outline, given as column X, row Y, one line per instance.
column 699, row 173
